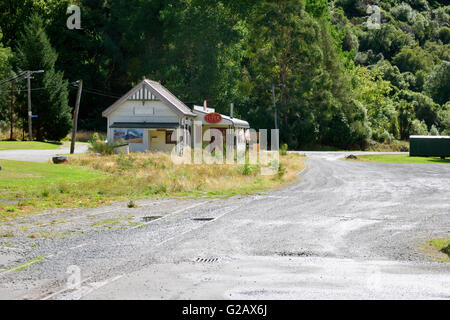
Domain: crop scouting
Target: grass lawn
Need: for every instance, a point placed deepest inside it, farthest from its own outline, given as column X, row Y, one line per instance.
column 401, row 158
column 15, row 145
column 92, row 180
column 39, row 185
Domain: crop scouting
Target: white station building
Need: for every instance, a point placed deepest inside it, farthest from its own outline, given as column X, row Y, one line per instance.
column 147, row 115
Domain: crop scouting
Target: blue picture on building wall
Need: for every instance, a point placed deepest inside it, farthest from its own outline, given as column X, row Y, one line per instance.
column 129, row 135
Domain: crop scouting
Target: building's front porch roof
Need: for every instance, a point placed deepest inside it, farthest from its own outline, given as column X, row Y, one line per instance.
column 145, row 125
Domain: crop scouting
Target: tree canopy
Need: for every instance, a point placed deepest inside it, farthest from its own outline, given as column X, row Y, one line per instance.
column 339, row 82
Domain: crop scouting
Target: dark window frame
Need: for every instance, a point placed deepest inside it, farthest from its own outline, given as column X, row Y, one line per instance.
column 169, row 137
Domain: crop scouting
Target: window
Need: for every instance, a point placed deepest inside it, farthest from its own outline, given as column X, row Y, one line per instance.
column 169, row 137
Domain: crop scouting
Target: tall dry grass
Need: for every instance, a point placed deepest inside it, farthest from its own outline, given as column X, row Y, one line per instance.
column 18, row 134
column 155, row 173
column 138, row 176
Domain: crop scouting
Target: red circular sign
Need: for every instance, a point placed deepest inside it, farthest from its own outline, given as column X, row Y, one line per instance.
column 213, row 117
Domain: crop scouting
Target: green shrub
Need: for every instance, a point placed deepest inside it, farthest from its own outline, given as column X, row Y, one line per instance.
column 246, row 169
column 418, row 128
column 156, row 189
column 131, row 204
column 284, row 149
column 102, row 147
column 434, row 131
column 281, row 170
column 98, row 144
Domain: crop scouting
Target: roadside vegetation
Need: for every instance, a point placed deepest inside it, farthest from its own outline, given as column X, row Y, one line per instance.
column 373, row 146
column 92, row 180
column 439, row 248
column 401, row 158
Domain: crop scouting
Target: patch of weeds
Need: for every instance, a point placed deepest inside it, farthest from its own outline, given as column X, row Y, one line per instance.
column 442, row 246
column 283, row 149
column 149, row 162
column 246, row 169
column 7, row 235
column 125, row 162
column 24, row 265
column 155, row 189
column 63, row 188
column 281, row 170
column 10, row 209
column 45, row 193
column 131, row 204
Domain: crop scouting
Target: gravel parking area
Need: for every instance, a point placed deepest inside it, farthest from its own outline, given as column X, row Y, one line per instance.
column 346, row 230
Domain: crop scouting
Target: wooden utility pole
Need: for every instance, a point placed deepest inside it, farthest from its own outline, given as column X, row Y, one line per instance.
column 30, row 132
column 274, row 106
column 75, row 116
column 11, row 113
column 30, row 113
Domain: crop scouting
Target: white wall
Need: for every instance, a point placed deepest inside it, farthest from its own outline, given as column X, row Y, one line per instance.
column 135, row 111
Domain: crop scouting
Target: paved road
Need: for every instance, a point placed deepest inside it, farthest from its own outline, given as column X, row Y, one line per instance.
column 346, row 230
column 40, row 155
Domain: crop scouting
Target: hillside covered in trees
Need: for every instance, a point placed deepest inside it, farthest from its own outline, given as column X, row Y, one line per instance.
column 341, row 81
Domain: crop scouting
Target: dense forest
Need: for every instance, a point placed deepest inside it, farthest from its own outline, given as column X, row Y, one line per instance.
column 343, row 76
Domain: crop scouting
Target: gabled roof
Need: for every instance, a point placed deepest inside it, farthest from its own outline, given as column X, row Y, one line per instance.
column 158, row 91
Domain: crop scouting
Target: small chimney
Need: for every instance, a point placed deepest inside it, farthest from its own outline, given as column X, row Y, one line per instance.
column 231, row 110
column 205, row 105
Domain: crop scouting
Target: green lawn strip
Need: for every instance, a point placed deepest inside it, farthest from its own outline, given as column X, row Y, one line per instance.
column 401, row 158
column 21, row 145
column 17, row 175
column 41, row 186
column 24, row 265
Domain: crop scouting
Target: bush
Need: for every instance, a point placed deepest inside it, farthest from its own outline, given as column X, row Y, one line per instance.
column 98, row 145
column 434, row 131
column 403, row 12
column 246, row 169
column 131, row 204
column 281, row 170
column 284, row 149
column 101, row 147
column 418, row 128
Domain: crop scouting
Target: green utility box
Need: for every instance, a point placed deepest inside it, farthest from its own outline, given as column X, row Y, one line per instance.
column 429, row 146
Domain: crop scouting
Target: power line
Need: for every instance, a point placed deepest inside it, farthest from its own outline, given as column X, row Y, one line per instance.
column 100, row 93
column 32, row 89
column 14, row 78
